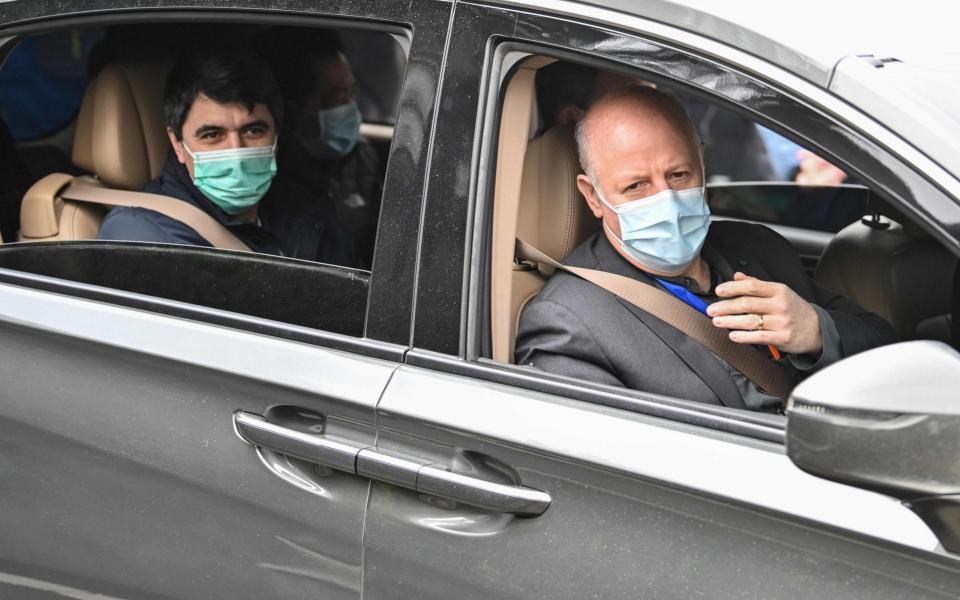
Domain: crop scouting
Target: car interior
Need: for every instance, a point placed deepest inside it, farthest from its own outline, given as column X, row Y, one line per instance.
column 118, row 141
column 851, row 239
column 874, row 256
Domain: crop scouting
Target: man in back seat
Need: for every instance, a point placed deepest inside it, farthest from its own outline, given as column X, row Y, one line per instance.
column 222, row 114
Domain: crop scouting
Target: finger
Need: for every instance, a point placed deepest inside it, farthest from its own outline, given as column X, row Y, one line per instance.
column 742, row 305
column 738, row 276
column 747, row 287
column 761, row 337
column 747, row 322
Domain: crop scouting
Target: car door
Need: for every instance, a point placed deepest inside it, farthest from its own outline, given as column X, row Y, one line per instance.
column 145, row 439
column 507, row 482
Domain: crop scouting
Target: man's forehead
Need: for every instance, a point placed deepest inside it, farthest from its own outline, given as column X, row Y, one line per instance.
column 632, row 123
column 206, row 111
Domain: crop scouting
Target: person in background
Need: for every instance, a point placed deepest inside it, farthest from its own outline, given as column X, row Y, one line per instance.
column 321, row 147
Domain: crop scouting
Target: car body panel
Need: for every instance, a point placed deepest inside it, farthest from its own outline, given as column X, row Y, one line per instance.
column 639, row 506
column 117, row 427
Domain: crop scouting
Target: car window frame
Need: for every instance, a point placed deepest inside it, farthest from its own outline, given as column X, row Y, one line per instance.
column 386, row 302
column 586, row 42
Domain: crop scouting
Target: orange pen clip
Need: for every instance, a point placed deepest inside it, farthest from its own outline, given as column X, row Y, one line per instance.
column 774, row 352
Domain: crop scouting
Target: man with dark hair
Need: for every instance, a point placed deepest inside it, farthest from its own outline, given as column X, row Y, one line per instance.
column 321, row 145
column 644, row 179
column 564, row 90
column 222, row 113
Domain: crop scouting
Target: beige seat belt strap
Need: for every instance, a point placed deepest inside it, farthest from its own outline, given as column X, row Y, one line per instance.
column 757, row 368
column 188, row 214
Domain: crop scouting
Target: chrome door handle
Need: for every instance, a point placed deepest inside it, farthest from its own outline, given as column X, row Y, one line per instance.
column 256, row 430
column 364, row 461
column 498, row 497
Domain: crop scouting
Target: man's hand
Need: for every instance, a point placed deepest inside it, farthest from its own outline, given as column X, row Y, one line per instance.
column 817, row 171
column 788, row 321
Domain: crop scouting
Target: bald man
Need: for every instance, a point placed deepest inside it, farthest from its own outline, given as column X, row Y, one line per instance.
column 643, row 178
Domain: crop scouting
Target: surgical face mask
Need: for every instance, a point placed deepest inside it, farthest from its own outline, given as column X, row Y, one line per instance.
column 339, row 131
column 663, row 232
column 234, row 179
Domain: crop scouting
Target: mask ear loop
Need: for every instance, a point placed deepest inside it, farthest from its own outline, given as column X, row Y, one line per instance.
column 596, row 188
column 183, row 145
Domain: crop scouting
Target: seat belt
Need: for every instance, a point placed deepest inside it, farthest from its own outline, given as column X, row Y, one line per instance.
column 208, row 227
column 673, row 311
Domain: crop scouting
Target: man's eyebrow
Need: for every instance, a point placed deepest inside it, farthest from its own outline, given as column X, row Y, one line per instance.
column 207, row 129
column 220, row 128
column 255, row 123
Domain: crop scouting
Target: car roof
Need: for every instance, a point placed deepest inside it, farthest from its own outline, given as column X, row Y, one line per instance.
column 916, row 95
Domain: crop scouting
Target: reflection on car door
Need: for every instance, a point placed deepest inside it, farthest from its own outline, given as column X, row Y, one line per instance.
column 640, row 507
column 122, row 474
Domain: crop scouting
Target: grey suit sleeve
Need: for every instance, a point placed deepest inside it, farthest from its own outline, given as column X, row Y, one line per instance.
column 553, row 338
column 831, row 351
column 858, row 329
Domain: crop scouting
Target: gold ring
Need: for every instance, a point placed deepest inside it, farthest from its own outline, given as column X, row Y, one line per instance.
column 759, row 322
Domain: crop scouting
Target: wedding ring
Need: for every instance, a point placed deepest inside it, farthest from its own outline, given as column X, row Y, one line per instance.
column 759, row 322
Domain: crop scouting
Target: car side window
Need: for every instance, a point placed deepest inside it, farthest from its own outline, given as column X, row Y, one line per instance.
column 285, row 160
column 543, row 205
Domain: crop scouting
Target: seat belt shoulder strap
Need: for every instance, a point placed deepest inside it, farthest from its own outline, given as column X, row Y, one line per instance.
column 757, row 368
column 179, row 210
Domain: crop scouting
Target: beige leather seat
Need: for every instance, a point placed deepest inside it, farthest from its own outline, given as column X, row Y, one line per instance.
column 120, row 141
column 897, row 272
column 536, row 199
column 552, row 215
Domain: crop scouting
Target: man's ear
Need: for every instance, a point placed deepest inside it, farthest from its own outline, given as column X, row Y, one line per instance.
column 177, row 146
column 585, row 185
column 569, row 114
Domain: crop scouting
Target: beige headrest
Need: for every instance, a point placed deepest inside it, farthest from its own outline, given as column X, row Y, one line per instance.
column 553, row 216
column 120, row 135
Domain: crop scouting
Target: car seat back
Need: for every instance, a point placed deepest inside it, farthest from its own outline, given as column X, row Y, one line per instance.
column 536, row 199
column 896, row 271
column 120, row 141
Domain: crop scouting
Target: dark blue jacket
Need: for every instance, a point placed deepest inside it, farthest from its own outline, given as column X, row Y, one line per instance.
column 291, row 222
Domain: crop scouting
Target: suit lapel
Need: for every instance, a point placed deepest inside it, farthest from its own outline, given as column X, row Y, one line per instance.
column 701, row 361
column 728, row 261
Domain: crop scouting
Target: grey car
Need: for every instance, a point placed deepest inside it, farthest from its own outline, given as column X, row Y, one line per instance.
column 187, row 422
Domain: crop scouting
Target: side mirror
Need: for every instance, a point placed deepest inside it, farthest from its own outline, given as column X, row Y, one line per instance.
column 887, row 420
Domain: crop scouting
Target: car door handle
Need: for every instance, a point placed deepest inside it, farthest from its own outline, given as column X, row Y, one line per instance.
column 367, row 462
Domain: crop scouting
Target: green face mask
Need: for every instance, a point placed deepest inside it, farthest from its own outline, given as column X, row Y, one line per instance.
column 237, row 178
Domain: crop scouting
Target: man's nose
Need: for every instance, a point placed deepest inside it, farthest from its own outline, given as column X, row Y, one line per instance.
column 658, row 185
column 235, row 140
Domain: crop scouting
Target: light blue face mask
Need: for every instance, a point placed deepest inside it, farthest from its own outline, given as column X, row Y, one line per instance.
column 339, row 131
column 663, row 232
column 235, row 179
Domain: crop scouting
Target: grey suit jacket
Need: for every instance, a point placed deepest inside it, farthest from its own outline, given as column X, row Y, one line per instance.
column 577, row 329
